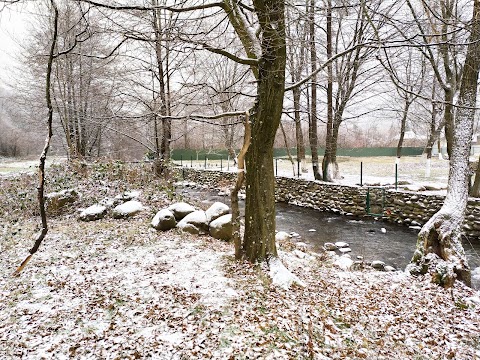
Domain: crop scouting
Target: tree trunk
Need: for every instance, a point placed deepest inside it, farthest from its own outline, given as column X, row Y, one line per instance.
column 312, row 128
column 259, row 239
column 403, row 125
column 298, row 129
column 439, row 248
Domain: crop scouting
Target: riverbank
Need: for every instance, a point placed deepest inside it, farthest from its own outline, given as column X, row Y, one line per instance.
column 118, row 288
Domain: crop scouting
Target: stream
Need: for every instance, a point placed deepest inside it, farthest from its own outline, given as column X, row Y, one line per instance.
column 370, row 238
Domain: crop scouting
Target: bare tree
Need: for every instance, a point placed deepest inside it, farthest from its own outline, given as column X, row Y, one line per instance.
column 439, row 248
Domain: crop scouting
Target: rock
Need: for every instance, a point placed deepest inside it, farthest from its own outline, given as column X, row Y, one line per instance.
column 92, row 213
column 341, row 244
column 345, row 250
column 216, row 210
column 108, row 203
column 312, row 230
column 330, row 246
column 282, row 236
column 128, row 195
column 343, row 263
column 180, row 210
column 197, row 218
column 300, row 254
column 383, row 230
column 189, row 228
column 378, row 265
column 164, row 220
column 57, row 200
column 301, row 246
column 221, row 228
column 390, row 268
column 127, row 209
column 294, row 234
column 359, row 257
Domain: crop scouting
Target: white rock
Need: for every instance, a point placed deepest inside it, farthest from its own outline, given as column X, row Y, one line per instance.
column 94, row 212
column 164, row 220
column 299, row 254
column 345, row 250
column 281, row 276
column 341, row 244
column 330, row 246
column 312, row 230
column 294, row 234
column 181, row 209
column 343, row 263
column 390, row 268
column 197, row 218
column 216, row 210
column 282, row 236
column 127, row 209
column 221, row 228
column 301, row 246
column 377, row 264
column 383, row 230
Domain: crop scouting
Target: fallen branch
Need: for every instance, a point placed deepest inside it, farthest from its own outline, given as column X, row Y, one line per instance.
column 43, row 156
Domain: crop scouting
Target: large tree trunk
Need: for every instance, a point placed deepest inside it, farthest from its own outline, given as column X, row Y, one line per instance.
column 312, row 126
column 439, row 247
column 259, row 239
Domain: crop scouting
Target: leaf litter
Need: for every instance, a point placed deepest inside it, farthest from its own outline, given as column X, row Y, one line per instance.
column 118, row 289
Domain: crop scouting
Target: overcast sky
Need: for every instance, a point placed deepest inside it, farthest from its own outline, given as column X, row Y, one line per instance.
column 13, row 27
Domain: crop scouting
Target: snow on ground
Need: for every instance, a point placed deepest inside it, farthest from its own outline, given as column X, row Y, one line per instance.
column 119, row 289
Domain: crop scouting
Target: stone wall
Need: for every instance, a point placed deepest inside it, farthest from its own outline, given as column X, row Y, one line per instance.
column 402, row 207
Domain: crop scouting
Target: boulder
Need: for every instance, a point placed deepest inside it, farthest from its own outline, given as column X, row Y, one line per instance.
column 345, row 250
column 180, row 210
column 282, row 236
column 221, row 228
column 341, row 244
column 57, row 200
column 164, row 220
column 378, row 265
column 127, row 209
column 343, row 262
column 128, row 195
column 189, row 228
column 197, row 218
column 216, row 210
column 92, row 213
column 328, row 246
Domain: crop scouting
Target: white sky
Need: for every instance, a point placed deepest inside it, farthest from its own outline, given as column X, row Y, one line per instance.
column 13, row 28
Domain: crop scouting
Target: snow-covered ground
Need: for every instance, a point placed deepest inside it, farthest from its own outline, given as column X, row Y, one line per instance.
column 116, row 288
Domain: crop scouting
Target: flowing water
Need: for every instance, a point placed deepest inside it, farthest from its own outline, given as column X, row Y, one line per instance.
column 373, row 240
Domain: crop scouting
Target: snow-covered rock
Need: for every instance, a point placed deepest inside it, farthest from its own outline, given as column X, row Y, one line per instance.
column 189, row 228
column 181, row 209
column 216, row 210
column 92, row 213
column 378, row 265
column 57, row 200
column 221, row 228
column 383, row 230
column 197, row 218
column 281, row 276
column 390, row 268
column 164, row 220
column 345, row 250
column 127, row 209
column 330, row 246
column 301, row 246
column 343, row 262
column 282, row 236
column 128, row 195
column 341, row 244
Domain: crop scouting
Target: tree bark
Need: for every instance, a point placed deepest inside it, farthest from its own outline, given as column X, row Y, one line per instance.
column 43, row 156
column 439, row 248
column 312, row 126
column 259, row 239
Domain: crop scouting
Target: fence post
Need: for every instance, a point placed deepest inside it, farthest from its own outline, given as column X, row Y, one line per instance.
column 191, row 161
column 361, row 173
column 221, row 163
column 298, row 167
column 228, row 163
column 276, row 167
column 205, row 161
column 396, row 175
column 181, row 160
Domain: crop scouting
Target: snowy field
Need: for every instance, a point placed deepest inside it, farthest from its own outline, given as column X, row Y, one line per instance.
column 118, row 289
column 379, row 170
